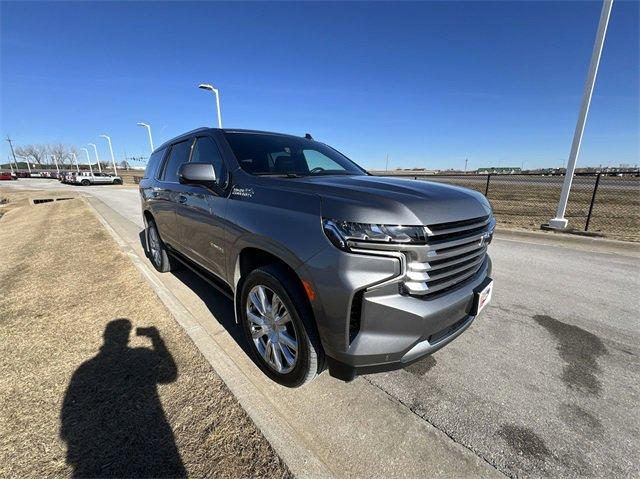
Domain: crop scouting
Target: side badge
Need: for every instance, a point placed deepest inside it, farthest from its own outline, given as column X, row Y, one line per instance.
column 243, row 192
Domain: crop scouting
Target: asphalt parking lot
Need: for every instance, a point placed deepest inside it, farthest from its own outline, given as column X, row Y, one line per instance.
column 547, row 380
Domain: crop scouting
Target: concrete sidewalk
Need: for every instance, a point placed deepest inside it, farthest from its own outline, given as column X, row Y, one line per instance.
column 327, row 429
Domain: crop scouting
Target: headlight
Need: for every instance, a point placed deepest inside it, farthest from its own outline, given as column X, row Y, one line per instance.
column 340, row 233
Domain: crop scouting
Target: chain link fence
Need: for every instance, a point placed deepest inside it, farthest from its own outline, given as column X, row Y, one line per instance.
column 598, row 202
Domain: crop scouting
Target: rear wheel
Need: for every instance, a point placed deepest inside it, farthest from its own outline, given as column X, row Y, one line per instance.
column 85, row 182
column 157, row 251
column 279, row 327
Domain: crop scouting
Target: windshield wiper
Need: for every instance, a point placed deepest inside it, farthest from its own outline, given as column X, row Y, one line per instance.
column 288, row 174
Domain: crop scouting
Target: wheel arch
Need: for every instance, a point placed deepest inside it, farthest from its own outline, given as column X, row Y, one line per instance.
column 251, row 258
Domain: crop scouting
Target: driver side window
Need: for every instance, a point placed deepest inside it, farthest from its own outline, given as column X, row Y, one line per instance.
column 315, row 159
column 205, row 150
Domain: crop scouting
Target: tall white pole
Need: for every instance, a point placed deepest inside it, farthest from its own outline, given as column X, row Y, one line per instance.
column 28, row 165
column 88, row 160
column 218, row 107
column 148, row 127
column 206, row 86
column 95, row 148
column 55, row 160
column 76, row 160
column 113, row 159
column 559, row 222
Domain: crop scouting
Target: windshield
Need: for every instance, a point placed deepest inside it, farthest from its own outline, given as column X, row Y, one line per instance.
column 268, row 154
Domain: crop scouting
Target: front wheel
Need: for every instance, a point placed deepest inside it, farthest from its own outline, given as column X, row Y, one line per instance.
column 117, row 182
column 157, row 251
column 85, row 182
column 279, row 327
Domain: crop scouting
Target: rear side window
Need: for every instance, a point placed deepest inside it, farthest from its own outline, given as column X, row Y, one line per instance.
column 152, row 164
column 206, row 151
column 179, row 154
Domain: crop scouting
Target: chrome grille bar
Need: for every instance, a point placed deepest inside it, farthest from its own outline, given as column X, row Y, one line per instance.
column 454, row 252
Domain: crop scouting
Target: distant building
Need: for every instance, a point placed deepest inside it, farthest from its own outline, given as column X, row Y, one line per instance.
column 504, row 170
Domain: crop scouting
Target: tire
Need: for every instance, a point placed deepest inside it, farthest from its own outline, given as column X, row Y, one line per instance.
column 117, row 182
column 277, row 334
column 85, row 182
column 157, row 251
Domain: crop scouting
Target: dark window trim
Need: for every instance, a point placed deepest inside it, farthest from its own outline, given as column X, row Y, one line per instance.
column 168, row 156
column 224, row 185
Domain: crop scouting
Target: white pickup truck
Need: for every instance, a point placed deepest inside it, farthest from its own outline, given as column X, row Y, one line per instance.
column 86, row 178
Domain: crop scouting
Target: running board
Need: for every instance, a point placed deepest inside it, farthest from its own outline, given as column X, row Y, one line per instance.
column 202, row 274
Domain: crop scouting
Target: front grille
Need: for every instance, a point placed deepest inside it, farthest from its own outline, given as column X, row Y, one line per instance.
column 454, row 253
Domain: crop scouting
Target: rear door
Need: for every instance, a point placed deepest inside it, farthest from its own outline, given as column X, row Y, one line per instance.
column 166, row 192
column 201, row 211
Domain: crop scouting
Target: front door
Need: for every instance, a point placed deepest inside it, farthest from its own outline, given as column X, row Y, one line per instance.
column 167, row 192
column 201, row 212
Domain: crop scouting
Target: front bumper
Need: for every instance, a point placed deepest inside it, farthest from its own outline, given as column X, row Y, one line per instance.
column 395, row 329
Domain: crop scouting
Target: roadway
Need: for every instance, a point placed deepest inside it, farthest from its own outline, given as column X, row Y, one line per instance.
column 546, row 381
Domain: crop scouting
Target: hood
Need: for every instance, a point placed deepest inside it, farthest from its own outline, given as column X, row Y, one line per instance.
column 385, row 200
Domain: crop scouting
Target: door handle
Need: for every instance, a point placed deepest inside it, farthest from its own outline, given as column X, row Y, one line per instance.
column 182, row 199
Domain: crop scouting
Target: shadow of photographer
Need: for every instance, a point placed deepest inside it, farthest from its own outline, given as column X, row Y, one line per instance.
column 112, row 419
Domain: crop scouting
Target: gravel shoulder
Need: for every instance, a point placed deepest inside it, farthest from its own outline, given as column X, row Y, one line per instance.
column 96, row 381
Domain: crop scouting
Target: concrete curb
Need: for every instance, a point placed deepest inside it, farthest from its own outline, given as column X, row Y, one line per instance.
column 595, row 244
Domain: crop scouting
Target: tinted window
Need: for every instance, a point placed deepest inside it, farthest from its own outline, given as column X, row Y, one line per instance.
column 268, row 154
column 317, row 162
column 179, row 154
column 206, row 151
column 152, row 164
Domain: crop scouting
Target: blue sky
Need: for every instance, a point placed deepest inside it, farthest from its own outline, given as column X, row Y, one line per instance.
column 427, row 83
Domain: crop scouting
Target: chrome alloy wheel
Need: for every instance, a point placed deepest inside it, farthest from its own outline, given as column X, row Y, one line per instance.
column 271, row 328
column 154, row 246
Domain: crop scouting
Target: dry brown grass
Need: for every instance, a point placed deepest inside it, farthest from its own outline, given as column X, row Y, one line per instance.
column 128, row 176
column 122, row 411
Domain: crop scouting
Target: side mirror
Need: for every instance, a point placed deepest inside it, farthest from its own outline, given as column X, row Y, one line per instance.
column 197, row 174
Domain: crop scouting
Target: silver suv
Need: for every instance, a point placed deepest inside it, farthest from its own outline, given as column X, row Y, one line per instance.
column 328, row 266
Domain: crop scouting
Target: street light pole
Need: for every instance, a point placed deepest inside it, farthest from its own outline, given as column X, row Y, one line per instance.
column 76, row 160
column 28, row 165
column 148, row 130
column 113, row 160
column 559, row 222
column 95, row 148
column 88, row 159
column 206, row 86
column 56, row 162
column 13, row 153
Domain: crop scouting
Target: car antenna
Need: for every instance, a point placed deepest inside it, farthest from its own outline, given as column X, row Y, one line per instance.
column 308, row 136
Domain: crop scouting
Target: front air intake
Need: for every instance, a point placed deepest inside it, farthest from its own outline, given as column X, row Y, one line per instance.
column 355, row 315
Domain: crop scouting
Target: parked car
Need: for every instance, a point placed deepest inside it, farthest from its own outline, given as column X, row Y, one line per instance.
column 7, row 176
column 68, row 177
column 86, row 178
column 326, row 264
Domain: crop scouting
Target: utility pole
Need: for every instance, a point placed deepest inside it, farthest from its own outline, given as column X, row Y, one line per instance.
column 466, row 160
column 559, row 222
column 28, row 165
column 387, row 164
column 76, row 160
column 13, row 153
